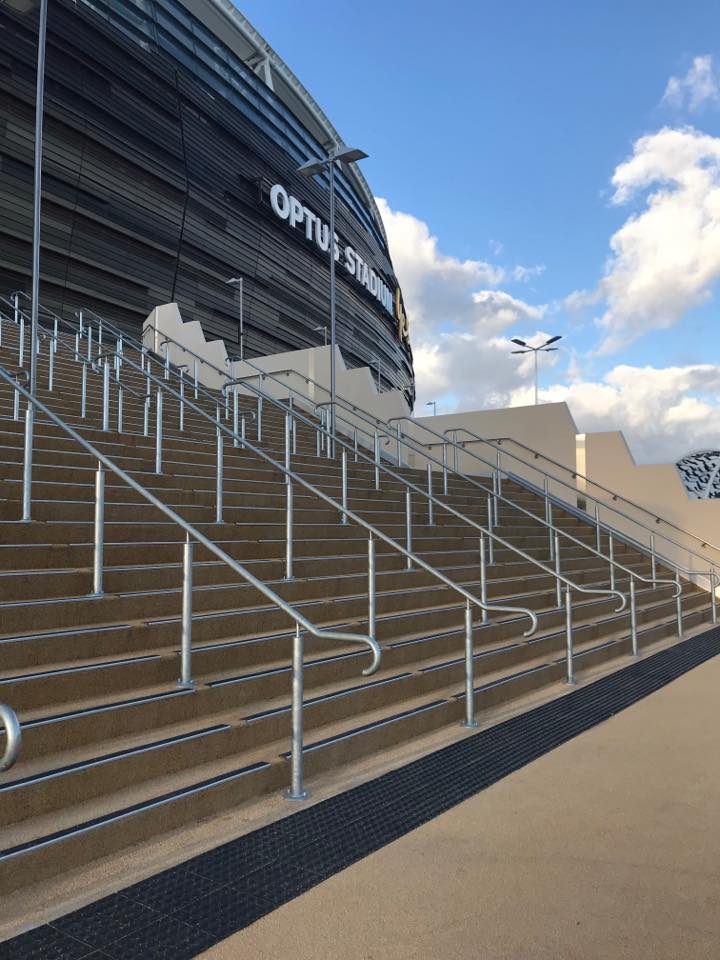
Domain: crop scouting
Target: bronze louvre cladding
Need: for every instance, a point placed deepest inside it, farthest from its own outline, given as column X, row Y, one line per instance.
column 160, row 150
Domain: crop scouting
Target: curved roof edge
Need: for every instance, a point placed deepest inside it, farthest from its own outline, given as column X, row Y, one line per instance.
column 260, row 57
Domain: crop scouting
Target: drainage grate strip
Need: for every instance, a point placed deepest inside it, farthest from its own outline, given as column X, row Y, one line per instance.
column 224, row 890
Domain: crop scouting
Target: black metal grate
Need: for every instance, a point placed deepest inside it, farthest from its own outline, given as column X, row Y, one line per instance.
column 183, row 911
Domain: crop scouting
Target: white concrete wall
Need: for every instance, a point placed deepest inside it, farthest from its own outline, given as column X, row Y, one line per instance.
column 548, row 429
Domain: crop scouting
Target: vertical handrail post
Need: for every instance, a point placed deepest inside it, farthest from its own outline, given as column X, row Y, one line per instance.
column 181, row 412
column 259, row 418
column 186, row 679
column 146, row 415
column 235, row 416
column 16, row 400
column 297, row 789
column 106, row 397
column 28, row 463
column 558, row 581
column 445, row 469
column 158, row 431
column 597, row 527
column 633, row 618
column 195, row 379
column 713, row 595
column 20, row 321
column 499, row 473
column 288, row 440
column 653, row 557
column 495, row 498
column 491, row 538
column 611, row 555
column 51, row 365
column 219, row 478
column 83, row 392
column 469, row 720
column 430, row 496
column 372, row 596
column 99, row 531
column 289, row 512
column 355, row 443
column 408, row 528
column 344, row 474
column 570, row 669
column 120, row 408
column 483, row 578
column 678, row 602
column 377, row 460
column 551, row 528
column 398, row 442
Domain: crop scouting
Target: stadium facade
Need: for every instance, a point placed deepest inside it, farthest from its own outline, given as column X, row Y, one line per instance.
column 173, row 134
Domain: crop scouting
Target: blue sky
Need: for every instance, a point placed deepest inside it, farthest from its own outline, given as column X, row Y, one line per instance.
column 498, row 128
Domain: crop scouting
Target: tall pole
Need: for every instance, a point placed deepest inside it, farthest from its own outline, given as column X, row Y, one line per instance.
column 331, row 165
column 37, row 192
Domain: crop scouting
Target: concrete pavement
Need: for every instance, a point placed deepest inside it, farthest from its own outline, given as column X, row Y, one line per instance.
column 604, row 849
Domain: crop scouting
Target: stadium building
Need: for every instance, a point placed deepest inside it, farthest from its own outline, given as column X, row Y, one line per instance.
column 173, row 134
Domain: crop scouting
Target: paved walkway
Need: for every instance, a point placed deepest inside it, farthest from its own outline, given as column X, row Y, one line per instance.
column 604, row 849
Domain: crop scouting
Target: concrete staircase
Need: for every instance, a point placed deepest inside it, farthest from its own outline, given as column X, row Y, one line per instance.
column 115, row 752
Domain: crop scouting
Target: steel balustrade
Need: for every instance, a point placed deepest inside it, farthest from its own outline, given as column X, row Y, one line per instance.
column 192, row 533
column 497, row 487
column 503, row 608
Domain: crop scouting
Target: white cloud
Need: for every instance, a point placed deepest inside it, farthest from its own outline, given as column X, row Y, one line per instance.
column 699, row 87
column 461, row 330
column 523, row 274
column 437, row 288
column 666, row 258
column 460, row 326
column 663, row 412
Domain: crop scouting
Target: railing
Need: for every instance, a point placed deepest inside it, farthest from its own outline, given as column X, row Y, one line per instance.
column 193, row 535
column 497, row 444
column 554, row 533
column 13, row 736
column 163, row 386
column 497, row 472
column 384, row 426
column 323, row 430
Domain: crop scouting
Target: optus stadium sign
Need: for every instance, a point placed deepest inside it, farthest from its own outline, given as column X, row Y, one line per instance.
column 289, row 208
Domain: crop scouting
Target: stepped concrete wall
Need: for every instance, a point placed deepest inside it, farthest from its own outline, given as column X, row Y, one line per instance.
column 603, row 458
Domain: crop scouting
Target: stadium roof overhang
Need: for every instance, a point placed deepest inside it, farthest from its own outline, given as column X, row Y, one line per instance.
column 236, row 31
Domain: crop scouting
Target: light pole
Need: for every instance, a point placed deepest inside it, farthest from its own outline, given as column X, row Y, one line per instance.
column 543, row 348
column 309, row 169
column 433, row 404
column 377, row 367
column 324, row 329
column 238, row 282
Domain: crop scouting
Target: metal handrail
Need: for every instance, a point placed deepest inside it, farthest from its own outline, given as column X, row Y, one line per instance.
column 164, row 386
column 575, row 474
column 445, row 440
column 409, row 485
column 464, row 518
column 552, row 529
column 378, row 422
column 13, row 736
column 486, row 531
column 613, row 564
column 193, row 534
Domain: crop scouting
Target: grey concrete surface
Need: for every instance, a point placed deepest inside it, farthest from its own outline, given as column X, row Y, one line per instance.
column 605, row 849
